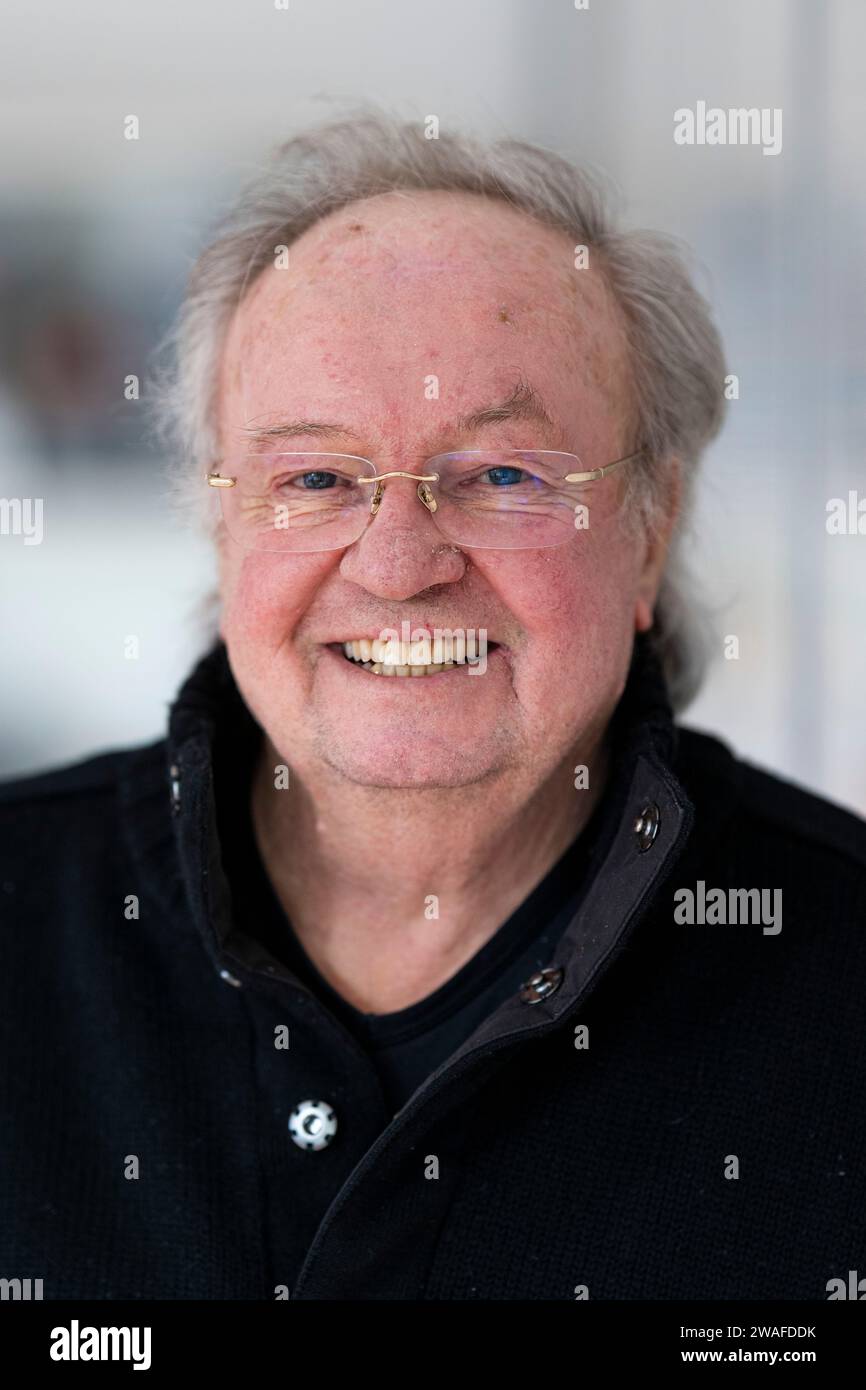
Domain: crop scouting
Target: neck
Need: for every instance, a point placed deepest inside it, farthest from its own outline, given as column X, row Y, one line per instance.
column 389, row 891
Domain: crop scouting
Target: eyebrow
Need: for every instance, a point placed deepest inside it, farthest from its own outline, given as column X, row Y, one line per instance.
column 522, row 403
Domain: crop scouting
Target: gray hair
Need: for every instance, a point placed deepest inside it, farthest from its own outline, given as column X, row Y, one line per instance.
column 676, row 357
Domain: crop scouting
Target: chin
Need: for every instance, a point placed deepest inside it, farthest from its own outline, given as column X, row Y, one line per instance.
column 419, row 764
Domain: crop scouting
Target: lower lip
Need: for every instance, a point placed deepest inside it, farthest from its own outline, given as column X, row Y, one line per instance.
column 438, row 678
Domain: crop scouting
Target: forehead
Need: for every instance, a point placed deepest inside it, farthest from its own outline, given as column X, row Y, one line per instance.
column 389, row 291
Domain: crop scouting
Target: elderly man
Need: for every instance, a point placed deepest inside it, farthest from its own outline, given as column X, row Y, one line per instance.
column 427, row 957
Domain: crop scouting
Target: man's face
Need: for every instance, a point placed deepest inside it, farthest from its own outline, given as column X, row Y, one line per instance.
column 378, row 298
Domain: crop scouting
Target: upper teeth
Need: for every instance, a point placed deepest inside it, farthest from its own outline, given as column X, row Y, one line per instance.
column 422, row 652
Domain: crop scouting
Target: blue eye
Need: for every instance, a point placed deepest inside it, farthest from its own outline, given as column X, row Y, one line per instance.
column 504, row 477
column 318, row 480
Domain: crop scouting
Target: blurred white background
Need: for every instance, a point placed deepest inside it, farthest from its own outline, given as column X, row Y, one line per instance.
column 97, row 234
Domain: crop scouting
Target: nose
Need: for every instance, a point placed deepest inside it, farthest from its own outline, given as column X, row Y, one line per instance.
column 402, row 551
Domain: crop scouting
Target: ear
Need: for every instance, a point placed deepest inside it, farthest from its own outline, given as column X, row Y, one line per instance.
column 655, row 553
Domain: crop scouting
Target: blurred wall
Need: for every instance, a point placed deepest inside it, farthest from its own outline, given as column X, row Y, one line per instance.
column 97, row 233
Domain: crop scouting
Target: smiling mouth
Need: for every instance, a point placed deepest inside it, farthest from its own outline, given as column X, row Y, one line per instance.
column 370, row 655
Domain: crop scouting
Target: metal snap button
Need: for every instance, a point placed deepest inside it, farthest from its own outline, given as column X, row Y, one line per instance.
column 542, row 984
column 174, row 785
column 646, row 826
column 312, row 1124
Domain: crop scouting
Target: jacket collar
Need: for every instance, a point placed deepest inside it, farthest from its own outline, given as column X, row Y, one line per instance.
column 172, row 819
column 647, row 820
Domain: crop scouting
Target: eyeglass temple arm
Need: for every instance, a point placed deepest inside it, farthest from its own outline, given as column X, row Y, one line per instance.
column 217, row 480
column 600, row 472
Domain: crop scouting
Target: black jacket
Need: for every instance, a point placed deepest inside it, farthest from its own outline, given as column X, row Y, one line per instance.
column 708, row 1142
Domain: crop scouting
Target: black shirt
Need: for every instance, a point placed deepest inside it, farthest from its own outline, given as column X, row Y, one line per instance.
column 407, row 1045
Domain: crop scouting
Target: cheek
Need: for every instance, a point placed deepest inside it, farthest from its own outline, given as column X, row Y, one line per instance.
column 572, row 597
column 576, row 608
column 264, row 597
